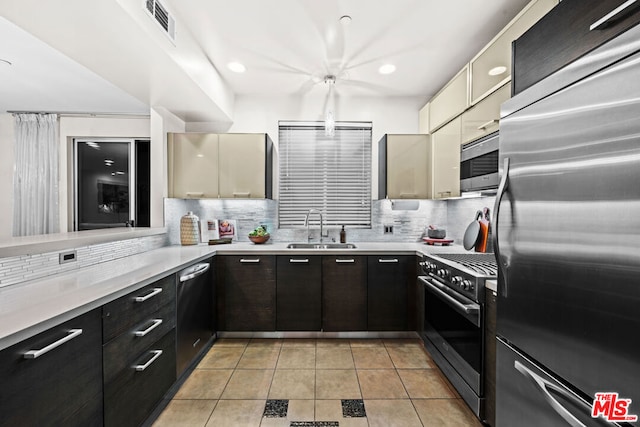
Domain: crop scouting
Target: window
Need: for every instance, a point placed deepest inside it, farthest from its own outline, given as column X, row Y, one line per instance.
column 330, row 174
column 111, row 183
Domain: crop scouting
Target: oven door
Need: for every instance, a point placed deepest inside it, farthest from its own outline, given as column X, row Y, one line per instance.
column 453, row 326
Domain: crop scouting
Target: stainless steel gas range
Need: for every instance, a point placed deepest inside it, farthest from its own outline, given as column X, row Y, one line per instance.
column 453, row 329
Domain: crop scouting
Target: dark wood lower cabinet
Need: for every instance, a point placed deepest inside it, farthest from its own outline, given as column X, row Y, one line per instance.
column 131, row 396
column 246, row 292
column 344, row 293
column 299, row 293
column 490, row 357
column 61, row 387
column 388, row 285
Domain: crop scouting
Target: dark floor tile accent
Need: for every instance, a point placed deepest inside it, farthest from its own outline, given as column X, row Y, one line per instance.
column 353, row 408
column 276, row 408
column 314, row 424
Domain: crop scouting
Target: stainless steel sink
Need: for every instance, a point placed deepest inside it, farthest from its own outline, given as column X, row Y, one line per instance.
column 321, row 246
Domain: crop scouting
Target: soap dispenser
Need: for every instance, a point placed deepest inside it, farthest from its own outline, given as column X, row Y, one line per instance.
column 343, row 235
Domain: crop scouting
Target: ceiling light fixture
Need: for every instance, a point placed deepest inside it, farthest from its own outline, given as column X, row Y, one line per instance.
column 236, row 67
column 329, row 121
column 387, row 69
column 496, row 71
column 345, row 19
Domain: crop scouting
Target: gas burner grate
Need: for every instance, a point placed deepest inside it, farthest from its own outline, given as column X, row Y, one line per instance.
column 478, row 262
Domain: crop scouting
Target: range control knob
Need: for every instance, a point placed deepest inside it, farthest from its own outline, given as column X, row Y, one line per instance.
column 443, row 273
column 467, row 285
column 457, row 281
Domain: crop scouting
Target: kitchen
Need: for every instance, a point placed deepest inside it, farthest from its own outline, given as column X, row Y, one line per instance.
column 386, row 119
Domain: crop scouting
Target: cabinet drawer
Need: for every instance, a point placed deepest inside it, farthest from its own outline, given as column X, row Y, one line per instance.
column 122, row 351
column 62, row 386
column 564, row 35
column 131, row 396
column 126, row 312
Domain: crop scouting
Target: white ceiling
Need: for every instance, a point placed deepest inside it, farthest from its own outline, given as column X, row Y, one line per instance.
column 43, row 79
column 287, row 46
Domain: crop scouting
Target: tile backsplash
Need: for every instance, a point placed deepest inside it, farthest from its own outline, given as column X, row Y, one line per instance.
column 408, row 225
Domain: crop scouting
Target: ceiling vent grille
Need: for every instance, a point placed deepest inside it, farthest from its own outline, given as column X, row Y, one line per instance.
column 162, row 17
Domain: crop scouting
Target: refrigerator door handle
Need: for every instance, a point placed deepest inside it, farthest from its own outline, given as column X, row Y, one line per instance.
column 502, row 189
column 544, row 386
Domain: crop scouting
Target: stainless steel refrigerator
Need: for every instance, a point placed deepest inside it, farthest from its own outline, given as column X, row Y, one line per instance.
column 567, row 241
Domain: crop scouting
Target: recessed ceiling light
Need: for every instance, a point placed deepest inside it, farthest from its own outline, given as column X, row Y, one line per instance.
column 345, row 19
column 236, row 67
column 387, row 69
column 496, row 71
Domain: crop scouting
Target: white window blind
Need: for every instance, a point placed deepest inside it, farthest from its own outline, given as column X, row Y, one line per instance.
column 330, row 174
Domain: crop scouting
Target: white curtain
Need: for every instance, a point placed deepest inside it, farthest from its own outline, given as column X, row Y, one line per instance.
column 35, row 179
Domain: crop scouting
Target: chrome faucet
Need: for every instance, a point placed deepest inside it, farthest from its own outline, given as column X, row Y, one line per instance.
column 306, row 223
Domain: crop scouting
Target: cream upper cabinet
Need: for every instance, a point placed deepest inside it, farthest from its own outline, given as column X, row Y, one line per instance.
column 242, row 165
column 491, row 68
column 193, row 165
column 452, row 100
column 207, row 165
column 404, row 171
column 423, row 119
column 484, row 117
column 445, row 143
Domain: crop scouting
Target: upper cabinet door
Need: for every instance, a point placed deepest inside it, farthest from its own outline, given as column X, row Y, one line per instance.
column 408, row 166
column 484, row 117
column 193, row 165
column 452, row 100
column 568, row 32
column 491, row 68
column 242, row 165
column 446, row 160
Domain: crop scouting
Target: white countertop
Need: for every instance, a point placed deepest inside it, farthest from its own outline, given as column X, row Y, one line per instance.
column 32, row 307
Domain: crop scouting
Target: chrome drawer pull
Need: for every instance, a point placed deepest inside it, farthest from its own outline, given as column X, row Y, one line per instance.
column 33, row 354
column 250, row 261
column 614, row 14
column 156, row 323
column 151, row 294
column 156, row 354
column 387, row 260
column 298, row 261
column 345, row 260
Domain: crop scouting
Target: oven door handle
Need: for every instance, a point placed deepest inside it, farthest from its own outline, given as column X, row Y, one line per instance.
column 468, row 310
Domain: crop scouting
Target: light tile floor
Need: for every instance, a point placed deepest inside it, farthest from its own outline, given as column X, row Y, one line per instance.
column 396, row 379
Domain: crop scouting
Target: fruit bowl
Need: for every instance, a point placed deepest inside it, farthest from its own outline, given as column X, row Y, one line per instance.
column 259, row 239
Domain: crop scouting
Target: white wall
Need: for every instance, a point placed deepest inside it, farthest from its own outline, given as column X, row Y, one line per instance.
column 6, row 175
column 261, row 114
column 162, row 121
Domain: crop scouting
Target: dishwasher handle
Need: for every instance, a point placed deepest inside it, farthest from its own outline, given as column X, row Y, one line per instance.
column 194, row 271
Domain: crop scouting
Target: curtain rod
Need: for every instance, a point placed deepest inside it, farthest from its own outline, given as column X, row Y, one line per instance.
column 78, row 114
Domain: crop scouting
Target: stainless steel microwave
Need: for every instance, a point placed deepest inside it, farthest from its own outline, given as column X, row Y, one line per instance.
column 479, row 164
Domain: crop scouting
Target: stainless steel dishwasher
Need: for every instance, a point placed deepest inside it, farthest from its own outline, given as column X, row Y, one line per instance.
column 195, row 325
